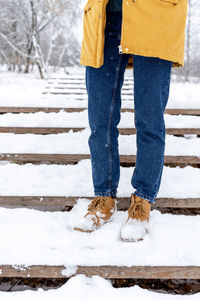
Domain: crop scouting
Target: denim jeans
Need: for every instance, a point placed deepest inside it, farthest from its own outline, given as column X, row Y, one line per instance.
column 151, row 92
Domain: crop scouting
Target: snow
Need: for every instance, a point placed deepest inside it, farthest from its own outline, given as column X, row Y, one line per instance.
column 69, row 143
column 133, row 230
column 90, row 288
column 48, row 238
column 76, row 180
column 80, row 119
column 26, row 90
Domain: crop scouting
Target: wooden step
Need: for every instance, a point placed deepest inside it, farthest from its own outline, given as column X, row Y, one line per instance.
column 13, row 109
column 71, row 86
column 79, row 90
column 68, row 201
column 39, row 130
column 125, row 160
column 80, row 93
column 105, row 271
column 81, row 77
column 123, row 131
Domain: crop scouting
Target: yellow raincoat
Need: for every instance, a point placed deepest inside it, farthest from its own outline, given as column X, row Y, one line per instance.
column 154, row 28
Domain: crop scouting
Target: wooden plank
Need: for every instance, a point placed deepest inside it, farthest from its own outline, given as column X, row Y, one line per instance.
column 127, row 160
column 105, row 271
column 171, row 131
column 76, row 82
column 72, row 86
column 14, row 109
column 172, row 111
column 68, row 92
column 39, row 130
column 71, row 77
column 123, row 131
column 123, row 203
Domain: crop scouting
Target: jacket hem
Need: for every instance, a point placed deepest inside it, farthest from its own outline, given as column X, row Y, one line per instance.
column 176, row 62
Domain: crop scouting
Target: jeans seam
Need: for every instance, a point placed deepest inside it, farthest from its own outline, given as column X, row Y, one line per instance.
column 109, row 123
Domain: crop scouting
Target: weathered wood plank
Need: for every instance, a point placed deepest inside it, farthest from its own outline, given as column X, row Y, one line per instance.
column 80, row 77
column 69, row 201
column 172, row 111
column 39, row 130
column 82, row 86
column 111, row 272
column 123, row 131
column 14, row 109
column 125, row 160
column 172, row 131
column 77, row 82
column 78, row 93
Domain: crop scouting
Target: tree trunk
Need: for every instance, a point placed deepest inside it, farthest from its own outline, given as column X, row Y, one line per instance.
column 40, row 70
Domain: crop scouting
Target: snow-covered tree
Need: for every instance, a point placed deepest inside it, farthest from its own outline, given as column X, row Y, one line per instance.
column 38, row 32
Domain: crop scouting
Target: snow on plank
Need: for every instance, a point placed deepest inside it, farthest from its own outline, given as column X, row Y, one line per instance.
column 42, row 239
column 123, row 131
column 80, row 119
column 69, row 143
column 125, row 160
column 76, row 180
column 14, row 109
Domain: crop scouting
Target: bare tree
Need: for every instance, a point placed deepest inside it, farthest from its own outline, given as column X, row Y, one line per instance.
column 34, row 31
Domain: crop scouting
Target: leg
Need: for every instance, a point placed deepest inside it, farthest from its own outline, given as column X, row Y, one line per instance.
column 151, row 90
column 104, row 103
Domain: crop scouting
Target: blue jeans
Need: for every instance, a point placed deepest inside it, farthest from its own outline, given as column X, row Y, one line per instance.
column 151, row 92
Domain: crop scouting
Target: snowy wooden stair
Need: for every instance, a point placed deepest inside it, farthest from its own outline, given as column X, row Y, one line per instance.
column 64, row 202
column 123, row 131
column 125, row 160
column 106, row 271
column 14, row 109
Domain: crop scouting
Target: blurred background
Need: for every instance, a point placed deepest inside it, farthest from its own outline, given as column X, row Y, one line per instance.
column 46, row 35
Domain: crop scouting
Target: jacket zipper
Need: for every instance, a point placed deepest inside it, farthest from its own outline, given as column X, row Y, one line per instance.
column 120, row 49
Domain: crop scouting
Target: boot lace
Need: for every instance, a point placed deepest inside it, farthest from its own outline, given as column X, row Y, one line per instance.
column 137, row 210
column 98, row 201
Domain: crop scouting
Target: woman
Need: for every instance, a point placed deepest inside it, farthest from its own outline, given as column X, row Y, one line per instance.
column 148, row 35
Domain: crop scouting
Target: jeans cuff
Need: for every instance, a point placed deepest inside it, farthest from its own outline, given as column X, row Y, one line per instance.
column 112, row 194
column 145, row 197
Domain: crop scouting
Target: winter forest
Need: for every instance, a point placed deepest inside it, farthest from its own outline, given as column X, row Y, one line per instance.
column 47, row 34
column 39, row 33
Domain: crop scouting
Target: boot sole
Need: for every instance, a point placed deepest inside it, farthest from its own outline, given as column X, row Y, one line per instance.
column 131, row 240
column 83, row 230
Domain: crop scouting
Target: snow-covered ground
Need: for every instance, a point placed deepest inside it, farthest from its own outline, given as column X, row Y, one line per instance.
column 76, row 180
column 47, row 237
column 77, row 143
column 80, row 119
column 26, row 90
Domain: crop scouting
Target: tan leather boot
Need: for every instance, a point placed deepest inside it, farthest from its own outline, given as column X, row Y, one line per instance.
column 136, row 225
column 99, row 212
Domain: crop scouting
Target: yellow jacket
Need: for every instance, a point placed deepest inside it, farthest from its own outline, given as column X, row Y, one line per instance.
column 153, row 28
